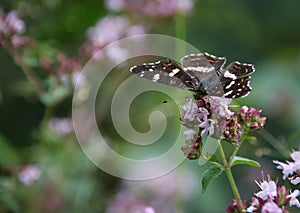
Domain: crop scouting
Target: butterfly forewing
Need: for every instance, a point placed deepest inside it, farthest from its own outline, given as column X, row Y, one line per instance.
column 165, row 72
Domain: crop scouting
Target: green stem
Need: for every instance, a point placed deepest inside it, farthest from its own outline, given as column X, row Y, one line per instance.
column 235, row 152
column 229, row 175
column 31, row 77
column 180, row 31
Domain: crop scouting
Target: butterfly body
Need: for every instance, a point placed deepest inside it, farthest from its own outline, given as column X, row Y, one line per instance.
column 201, row 73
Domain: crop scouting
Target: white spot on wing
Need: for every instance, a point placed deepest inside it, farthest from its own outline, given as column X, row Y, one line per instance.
column 156, row 77
column 174, row 72
column 228, row 93
column 229, row 85
column 201, row 69
column 132, row 68
column 227, row 74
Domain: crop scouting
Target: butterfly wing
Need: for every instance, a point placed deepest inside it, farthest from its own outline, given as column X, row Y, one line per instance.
column 165, row 72
column 203, row 63
column 236, row 80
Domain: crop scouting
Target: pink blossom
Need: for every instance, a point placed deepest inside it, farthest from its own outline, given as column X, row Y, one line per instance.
column 190, row 110
column 62, row 126
column 291, row 169
column 207, row 126
column 190, row 134
column 268, row 189
column 102, row 34
column 295, row 180
column 153, row 8
column 220, row 106
column 11, row 24
column 295, row 155
column 287, row 169
column 271, row 207
column 293, row 200
column 29, row 174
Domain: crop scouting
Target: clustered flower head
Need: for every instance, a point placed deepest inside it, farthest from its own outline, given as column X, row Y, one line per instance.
column 291, row 169
column 62, row 66
column 153, row 8
column 251, row 118
column 210, row 116
column 11, row 30
column 233, row 208
column 273, row 198
column 102, row 34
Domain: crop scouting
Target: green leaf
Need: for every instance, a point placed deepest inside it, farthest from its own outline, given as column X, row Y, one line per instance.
column 209, row 175
column 240, row 160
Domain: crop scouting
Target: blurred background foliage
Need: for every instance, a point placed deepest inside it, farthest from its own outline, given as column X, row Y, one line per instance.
column 34, row 131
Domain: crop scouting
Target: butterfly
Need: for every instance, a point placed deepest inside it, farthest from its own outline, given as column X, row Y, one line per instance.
column 201, row 73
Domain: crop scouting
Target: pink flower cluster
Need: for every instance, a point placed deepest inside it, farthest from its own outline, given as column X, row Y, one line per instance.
column 62, row 66
column 210, row 116
column 11, row 30
column 251, row 118
column 29, row 174
column 124, row 203
column 291, row 169
column 203, row 118
column 273, row 198
column 153, row 8
column 106, row 31
column 233, row 208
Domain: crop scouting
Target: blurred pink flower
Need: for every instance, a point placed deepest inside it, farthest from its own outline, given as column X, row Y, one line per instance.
column 11, row 24
column 107, row 30
column 29, row 174
column 126, row 203
column 62, row 126
column 153, row 8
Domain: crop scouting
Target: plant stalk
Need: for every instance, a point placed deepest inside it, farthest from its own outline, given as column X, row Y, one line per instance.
column 230, row 177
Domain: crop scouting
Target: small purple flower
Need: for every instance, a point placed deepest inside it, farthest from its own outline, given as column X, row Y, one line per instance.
column 293, row 200
column 190, row 110
column 207, row 127
column 219, row 106
column 268, row 189
column 291, row 169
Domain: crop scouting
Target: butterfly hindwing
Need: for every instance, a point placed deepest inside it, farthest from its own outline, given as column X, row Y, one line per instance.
column 237, row 88
column 236, row 70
